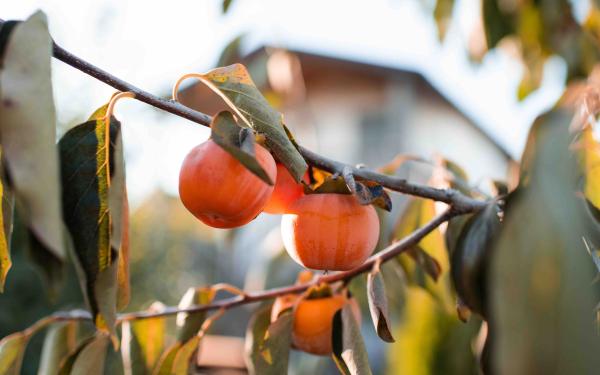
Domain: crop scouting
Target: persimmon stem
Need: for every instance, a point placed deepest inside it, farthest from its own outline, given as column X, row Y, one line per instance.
column 109, row 112
column 174, row 94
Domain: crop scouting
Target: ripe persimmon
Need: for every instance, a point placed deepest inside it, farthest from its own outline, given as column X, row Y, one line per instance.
column 286, row 191
column 313, row 320
column 330, row 231
column 217, row 189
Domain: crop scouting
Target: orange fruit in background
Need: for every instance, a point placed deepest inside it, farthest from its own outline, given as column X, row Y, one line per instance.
column 217, row 189
column 313, row 320
column 330, row 231
column 286, row 191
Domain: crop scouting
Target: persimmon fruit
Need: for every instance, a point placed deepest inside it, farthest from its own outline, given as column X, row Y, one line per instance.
column 330, row 231
column 217, row 189
column 313, row 320
column 286, row 191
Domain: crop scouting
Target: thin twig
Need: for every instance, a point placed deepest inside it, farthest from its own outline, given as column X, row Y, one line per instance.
column 227, row 303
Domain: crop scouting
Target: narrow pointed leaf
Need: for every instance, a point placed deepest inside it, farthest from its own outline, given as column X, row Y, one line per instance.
column 165, row 362
column 28, row 131
column 60, row 341
column 443, row 16
column 119, row 214
column 88, row 358
column 12, row 349
column 542, row 300
column 238, row 142
column 6, row 218
column 142, row 344
column 349, row 352
column 189, row 324
column 184, row 356
column 470, row 259
column 378, row 306
column 234, row 85
column 87, row 168
column 268, row 344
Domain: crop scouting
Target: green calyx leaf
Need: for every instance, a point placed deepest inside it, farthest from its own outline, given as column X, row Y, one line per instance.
column 238, row 142
column 234, row 85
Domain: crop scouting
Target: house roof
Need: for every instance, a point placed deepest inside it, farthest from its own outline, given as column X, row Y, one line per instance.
column 310, row 60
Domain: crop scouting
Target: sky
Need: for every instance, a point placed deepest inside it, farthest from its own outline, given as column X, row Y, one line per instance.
column 152, row 43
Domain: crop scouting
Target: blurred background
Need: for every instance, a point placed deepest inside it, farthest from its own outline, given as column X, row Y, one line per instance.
column 358, row 81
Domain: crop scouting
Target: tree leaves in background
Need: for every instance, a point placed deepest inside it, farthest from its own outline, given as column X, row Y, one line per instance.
column 179, row 354
column 87, row 211
column 226, row 5
column 234, row 85
column 6, row 219
column 429, row 256
column 142, row 342
column 28, row 131
column 470, row 258
column 60, row 341
column 542, row 300
column 238, row 142
column 590, row 156
column 378, row 306
column 88, row 358
column 497, row 23
column 349, row 352
column 12, row 349
column 268, row 344
column 443, row 16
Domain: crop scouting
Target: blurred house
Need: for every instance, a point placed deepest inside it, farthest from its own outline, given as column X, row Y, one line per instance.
column 358, row 112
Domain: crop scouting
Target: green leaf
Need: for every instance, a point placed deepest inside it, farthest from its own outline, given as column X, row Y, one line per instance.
column 184, row 356
column 226, row 4
column 268, row 344
column 542, row 302
column 443, row 16
column 234, row 85
column 165, row 362
column 28, row 131
column 469, row 262
column 59, row 342
column 429, row 256
column 349, row 352
column 189, row 324
column 367, row 192
column 119, row 215
column 378, row 306
column 12, row 349
column 497, row 24
column 87, row 212
column 453, row 231
column 142, row 344
column 88, row 358
column 590, row 160
column 238, row 142
column 6, row 219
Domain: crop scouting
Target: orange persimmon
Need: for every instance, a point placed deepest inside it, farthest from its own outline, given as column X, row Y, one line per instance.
column 330, row 231
column 313, row 320
column 217, row 189
column 286, row 191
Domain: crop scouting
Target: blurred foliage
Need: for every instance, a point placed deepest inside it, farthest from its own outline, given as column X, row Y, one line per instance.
column 537, row 30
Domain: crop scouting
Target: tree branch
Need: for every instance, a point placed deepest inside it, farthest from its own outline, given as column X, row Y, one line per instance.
column 460, row 202
column 227, row 303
